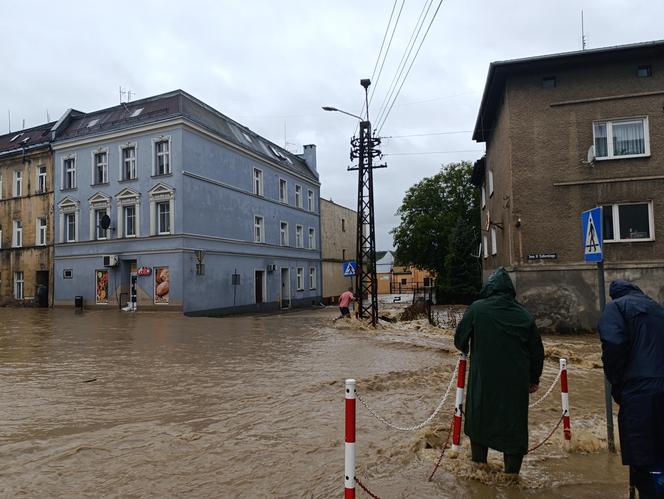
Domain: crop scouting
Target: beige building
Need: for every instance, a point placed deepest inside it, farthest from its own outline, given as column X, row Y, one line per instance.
column 565, row 133
column 338, row 226
column 26, row 217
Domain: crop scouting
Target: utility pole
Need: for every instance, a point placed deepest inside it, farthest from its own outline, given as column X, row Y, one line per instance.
column 363, row 148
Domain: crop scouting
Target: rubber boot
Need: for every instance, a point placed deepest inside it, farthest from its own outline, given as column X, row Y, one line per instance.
column 512, row 463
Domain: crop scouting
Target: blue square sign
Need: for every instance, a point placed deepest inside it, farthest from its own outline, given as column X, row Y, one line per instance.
column 350, row 268
column 591, row 224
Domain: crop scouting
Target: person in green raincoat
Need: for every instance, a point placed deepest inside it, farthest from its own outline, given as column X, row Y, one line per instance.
column 506, row 360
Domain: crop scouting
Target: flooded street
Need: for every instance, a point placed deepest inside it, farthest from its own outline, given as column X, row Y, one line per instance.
column 160, row 405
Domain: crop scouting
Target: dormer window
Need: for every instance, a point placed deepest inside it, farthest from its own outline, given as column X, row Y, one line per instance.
column 549, row 82
column 644, row 71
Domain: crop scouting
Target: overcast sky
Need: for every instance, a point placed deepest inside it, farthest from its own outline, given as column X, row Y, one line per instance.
column 272, row 65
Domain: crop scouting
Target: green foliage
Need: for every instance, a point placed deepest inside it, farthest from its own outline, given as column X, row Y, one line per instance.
column 440, row 230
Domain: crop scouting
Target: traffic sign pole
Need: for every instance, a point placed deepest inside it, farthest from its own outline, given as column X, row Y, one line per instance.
column 607, row 385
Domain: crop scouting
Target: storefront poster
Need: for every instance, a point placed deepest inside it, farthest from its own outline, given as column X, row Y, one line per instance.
column 161, row 285
column 101, row 281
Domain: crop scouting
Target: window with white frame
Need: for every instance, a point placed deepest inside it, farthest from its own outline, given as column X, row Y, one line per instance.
column 40, row 233
column 628, row 222
column 129, row 220
column 18, row 184
column 70, row 227
column 41, row 179
column 283, row 190
column 483, row 195
column 259, row 229
column 17, row 235
column 626, row 138
column 18, row 285
column 128, row 162
column 162, row 158
column 283, row 234
column 100, row 232
column 494, row 243
column 312, row 238
column 312, row 277
column 299, row 236
column 69, row 173
column 490, row 183
column 310, row 200
column 0, row 236
column 163, row 217
column 258, row 181
column 485, row 247
column 298, row 196
column 100, row 167
column 300, row 278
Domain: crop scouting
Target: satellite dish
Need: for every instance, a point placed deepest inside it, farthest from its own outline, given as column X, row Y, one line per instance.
column 105, row 222
column 590, row 156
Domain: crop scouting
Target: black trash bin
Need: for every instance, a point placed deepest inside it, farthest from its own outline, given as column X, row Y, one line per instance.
column 78, row 302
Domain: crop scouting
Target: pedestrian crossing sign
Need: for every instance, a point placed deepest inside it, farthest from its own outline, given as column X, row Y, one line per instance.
column 591, row 223
column 350, row 268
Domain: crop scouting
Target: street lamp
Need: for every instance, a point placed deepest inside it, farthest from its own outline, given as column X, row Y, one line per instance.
column 329, row 108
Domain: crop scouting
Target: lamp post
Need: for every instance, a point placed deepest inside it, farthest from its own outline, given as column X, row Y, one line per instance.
column 363, row 148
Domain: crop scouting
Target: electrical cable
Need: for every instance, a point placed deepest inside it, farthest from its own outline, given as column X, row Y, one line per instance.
column 425, row 134
column 431, row 152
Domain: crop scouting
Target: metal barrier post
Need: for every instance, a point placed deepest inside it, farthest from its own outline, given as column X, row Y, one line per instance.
column 349, row 446
column 458, row 404
column 565, row 399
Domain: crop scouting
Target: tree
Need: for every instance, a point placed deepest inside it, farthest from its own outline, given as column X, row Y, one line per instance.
column 440, row 228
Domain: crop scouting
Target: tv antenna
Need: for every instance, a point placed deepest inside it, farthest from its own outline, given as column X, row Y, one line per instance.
column 127, row 92
column 583, row 34
column 590, row 157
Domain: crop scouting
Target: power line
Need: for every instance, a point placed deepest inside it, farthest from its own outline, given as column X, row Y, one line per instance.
column 426, row 134
column 433, row 18
column 432, row 152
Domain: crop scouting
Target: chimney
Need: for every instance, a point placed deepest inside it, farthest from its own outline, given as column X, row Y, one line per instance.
column 309, row 156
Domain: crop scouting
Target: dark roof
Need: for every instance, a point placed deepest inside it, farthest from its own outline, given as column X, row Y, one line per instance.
column 25, row 140
column 179, row 104
column 500, row 70
column 381, row 254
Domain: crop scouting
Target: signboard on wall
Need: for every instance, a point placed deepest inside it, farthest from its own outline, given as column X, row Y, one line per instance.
column 161, row 285
column 101, row 287
column 144, row 271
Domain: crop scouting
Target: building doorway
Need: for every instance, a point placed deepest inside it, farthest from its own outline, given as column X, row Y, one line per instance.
column 285, row 288
column 259, row 283
column 41, row 293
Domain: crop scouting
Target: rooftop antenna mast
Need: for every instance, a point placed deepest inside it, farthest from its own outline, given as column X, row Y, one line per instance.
column 127, row 92
column 583, row 34
column 9, row 120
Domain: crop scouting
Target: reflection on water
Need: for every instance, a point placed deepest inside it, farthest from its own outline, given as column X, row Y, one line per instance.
column 161, row 405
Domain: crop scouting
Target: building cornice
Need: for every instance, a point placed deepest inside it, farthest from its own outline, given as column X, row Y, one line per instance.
column 608, row 180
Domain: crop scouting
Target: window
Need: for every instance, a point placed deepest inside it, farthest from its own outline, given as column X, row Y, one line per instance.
column 494, row 245
column 283, row 234
column 18, row 184
column 299, row 237
column 41, row 179
column 69, row 173
column 283, row 191
column 485, row 247
column 164, row 217
column 129, row 219
column 0, row 236
column 404, row 281
column 298, row 196
column 17, row 236
column 428, row 282
column 100, row 233
column 343, row 225
column 483, row 195
column 312, row 277
column 100, row 168
column 70, row 227
column 621, row 139
column 312, row 238
column 258, row 182
column 549, row 82
column 0, row 185
column 128, row 166
column 644, row 71
column 490, row 183
column 310, row 200
column 259, row 230
column 628, row 222
column 18, row 285
column 162, row 150
column 40, row 237
column 300, row 278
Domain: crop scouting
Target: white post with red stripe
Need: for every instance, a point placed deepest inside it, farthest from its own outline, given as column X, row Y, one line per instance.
column 564, row 394
column 458, row 404
column 349, row 446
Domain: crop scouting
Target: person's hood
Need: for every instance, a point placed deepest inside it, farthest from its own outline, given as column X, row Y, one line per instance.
column 620, row 287
column 499, row 283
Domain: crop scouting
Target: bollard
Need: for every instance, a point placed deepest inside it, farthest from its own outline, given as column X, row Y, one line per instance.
column 349, row 446
column 565, row 399
column 458, row 404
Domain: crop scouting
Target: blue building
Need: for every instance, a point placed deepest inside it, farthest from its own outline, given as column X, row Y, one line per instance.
column 168, row 203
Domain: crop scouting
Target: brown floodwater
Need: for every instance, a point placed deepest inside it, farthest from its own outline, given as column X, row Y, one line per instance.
column 111, row 404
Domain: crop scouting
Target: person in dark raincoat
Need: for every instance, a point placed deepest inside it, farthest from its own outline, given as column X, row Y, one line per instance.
column 506, row 360
column 632, row 332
